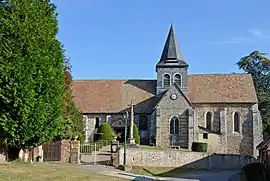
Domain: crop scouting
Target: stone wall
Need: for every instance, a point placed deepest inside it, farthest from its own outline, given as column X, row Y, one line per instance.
column 65, row 150
column 74, row 152
column 166, row 109
column 69, row 151
column 177, row 158
column 3, row 154
column 171, row 72
column 230, row 141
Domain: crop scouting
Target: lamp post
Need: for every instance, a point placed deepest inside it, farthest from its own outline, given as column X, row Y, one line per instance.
column 125, row 139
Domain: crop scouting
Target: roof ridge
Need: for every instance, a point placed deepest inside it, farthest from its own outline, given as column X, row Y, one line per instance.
column 114, row 79
column 219, row 74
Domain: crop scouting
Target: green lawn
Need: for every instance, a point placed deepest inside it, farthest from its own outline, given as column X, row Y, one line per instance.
column 162, row 171
column 45, row 172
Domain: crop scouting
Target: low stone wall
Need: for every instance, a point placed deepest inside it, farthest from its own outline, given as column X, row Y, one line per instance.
column 179, row 158
column 3, row 155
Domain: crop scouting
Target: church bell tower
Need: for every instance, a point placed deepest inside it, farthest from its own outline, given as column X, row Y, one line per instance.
column 171, row 68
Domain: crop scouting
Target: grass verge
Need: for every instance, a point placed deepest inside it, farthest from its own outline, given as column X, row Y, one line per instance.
column 45, row 172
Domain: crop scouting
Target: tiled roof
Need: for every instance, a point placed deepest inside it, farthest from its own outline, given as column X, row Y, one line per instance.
column 221, row 88
column 112, row 96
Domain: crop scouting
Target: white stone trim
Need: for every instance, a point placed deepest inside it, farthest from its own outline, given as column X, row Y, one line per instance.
column 163, row 79
column 212, row 119
column 172, row 116
column 239, row 116
column 181, row 78
column 85, row 120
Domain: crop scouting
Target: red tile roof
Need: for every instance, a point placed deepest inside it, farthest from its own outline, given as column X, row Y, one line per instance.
column 112, row 96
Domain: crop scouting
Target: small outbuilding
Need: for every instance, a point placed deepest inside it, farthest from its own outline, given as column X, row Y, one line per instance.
column 264, row 152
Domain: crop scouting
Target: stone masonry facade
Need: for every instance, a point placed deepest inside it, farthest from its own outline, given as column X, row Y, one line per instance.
column 177, row 108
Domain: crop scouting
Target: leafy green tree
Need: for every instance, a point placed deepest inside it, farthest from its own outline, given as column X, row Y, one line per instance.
column 73, row 119
column 32, row 80
column 105, row 132
column 136, row 135
column 258, row 65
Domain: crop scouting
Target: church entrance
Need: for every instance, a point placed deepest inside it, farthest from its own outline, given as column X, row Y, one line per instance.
column 119, row 128
column 120, row 132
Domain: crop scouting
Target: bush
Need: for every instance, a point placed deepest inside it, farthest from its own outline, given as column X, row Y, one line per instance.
column 136, row 135
column 199, row 147
column 254, row 172
column 105, row 132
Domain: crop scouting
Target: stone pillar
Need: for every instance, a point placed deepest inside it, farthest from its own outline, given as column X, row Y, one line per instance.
column 85, row 120
column 190, row 127
column 223, row 130
column 257, row 129
column 131, row 139
column 74, row 156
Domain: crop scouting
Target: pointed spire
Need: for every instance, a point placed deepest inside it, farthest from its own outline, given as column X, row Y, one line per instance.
column 171, row 49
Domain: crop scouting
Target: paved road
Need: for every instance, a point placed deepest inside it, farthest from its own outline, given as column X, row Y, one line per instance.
column 103, row 156
column 211, row 176
column 198, row 176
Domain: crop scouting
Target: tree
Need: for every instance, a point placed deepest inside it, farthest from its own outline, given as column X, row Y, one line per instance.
column 73, row 119
column 31, row 74
column 136, row 135
column 105, row 132
column 258, row 65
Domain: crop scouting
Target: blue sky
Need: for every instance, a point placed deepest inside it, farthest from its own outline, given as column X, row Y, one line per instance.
column 120, row 39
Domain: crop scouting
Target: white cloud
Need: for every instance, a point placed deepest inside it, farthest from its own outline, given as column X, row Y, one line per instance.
column 259, row 33
column 233, row 41
column 254, row 35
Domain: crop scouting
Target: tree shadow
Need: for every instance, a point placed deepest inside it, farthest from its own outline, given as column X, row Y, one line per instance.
column 209, row 168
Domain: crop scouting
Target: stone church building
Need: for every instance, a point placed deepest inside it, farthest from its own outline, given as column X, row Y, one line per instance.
column 177, row 108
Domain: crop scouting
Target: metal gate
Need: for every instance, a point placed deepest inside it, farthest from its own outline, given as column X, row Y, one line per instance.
column 52, row 151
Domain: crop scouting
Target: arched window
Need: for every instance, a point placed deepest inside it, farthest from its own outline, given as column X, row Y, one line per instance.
column 143, row 122
column 97, row 122
column 236, row 122
column 166, row 80
column 174, row 126
column 178, row 79
column 208, row 120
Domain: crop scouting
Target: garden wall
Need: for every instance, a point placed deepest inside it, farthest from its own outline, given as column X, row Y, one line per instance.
column 179, row 158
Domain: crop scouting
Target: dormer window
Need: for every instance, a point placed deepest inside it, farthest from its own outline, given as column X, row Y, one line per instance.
column 178, row 80
column 166, row 80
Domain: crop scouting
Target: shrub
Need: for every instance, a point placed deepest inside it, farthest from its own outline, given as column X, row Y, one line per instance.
column 199, row 147
column 254, row 172
column 136, row 135
column 105, row 132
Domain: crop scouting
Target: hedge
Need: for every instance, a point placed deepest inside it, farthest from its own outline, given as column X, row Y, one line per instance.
column 105, row 132
column 199, row 147
column 136, row 135
column 254, row 172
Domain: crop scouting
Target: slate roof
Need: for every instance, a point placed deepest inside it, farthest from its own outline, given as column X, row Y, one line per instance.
column 113, row 96
column 263, row 143
column 171, row 54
